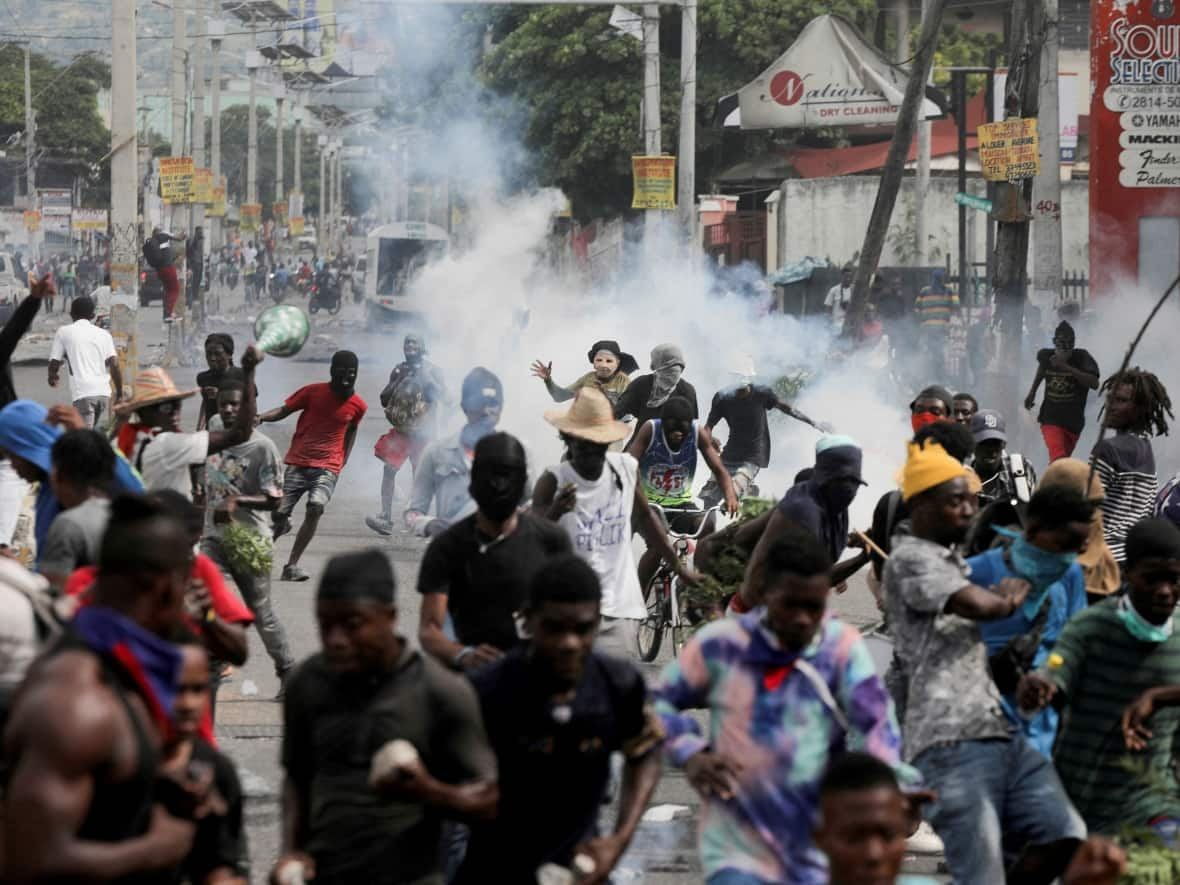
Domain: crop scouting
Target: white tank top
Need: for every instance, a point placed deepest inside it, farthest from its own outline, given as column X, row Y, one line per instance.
column 599, row 527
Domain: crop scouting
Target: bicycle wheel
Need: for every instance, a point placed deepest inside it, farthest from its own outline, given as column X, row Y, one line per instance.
column 650, row 633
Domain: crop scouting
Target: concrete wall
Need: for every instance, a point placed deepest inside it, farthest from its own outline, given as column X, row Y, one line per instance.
column 827, row 217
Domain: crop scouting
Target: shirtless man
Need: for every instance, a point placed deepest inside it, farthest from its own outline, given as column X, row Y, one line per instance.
column 83, row 741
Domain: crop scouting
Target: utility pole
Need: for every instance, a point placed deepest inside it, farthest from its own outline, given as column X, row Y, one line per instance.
column 338, row 215
column 688, row 121
column 179, row 96
column 216, row 31
column 321, row 229
column 252, row 132
column 1046, row 193
column 30, row 146
column 651, row 108
column 198, row 127
column 124, row 151
column 279, row 183
column 297, row 150
column 922, row 185
column 1012, row 199
column 899, row 148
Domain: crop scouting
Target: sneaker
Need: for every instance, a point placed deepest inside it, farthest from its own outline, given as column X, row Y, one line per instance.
column 283, row 675
column 924, row 841
column 294, row 573
column 382, row 525
column 281, row 525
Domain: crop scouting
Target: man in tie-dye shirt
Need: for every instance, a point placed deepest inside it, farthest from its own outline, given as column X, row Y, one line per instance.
column 787, row 688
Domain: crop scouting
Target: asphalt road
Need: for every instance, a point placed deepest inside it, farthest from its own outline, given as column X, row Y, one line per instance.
column 248, row 719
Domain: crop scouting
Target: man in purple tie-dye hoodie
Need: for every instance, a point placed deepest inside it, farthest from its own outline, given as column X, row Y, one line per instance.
column 787, row 688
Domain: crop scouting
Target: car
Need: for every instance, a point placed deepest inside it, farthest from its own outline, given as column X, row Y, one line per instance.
column 150, row 287
column 12, row 286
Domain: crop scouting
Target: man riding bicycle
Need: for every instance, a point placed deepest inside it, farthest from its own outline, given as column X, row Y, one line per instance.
column 666, row 449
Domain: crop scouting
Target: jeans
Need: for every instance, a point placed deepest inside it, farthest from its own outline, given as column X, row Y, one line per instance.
column 994, row 796
column 255, row 590
column 92, row 409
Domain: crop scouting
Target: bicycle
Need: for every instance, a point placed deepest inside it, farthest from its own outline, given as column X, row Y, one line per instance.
column 662, row 593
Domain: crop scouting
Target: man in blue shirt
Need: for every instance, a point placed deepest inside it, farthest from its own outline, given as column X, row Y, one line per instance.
column 1057, row 528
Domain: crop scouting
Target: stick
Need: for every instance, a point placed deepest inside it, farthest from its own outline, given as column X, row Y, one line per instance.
column 868, row 542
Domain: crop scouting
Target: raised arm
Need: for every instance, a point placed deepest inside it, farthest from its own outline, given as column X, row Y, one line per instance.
column 787, row 409
column 22, row 318
column 243, row 425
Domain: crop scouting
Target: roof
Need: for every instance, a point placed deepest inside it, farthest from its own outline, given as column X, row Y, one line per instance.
column 807, row 162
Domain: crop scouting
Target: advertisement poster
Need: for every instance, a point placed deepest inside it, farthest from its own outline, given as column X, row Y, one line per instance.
column 1009, row 151
column 250, row 216
column 655, row 182
column 177, row 179
column 89, row 220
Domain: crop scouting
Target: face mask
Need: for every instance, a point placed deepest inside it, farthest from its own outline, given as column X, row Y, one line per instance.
column 921, row 419
column 1040, row 568
column 498, row 492
column 1138, row 626
column 475, row 431
column 840, row 495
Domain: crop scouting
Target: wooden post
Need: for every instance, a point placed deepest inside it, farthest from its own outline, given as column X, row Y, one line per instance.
column 903, row 134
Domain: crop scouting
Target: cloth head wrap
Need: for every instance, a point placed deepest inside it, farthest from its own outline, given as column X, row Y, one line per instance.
column 364, row 576
column 345, row 359
column 667, row 364
column 837, row 457
column 480, row 387
column 935, row 391
column 926, row 467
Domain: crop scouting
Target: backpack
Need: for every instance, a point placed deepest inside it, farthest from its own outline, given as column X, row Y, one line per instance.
column 153, row 254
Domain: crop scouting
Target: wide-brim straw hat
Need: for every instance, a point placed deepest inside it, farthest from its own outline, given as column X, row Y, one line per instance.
column 589, row 417
column 154, row 386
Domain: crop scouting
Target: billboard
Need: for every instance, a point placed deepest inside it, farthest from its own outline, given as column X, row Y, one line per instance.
column 655, row 182
column 1134, row 145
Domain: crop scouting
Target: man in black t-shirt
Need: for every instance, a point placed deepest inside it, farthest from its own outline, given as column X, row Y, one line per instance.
column 1069, row 373
column 747, row 450
column 555, row 712
column 478, row 571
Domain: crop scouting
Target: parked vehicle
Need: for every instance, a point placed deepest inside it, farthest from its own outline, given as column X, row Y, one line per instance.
column 150, row 287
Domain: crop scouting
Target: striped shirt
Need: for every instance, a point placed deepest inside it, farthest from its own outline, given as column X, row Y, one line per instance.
column 934, row 308
column 765, row 712
column 1125, row 464
column 1102, row 670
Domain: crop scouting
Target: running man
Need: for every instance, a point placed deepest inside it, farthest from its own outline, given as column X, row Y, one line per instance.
column 319, row 450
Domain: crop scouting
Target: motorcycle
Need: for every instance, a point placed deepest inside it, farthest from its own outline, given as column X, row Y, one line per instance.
column 278, row 286
column 325, row 293
column 231, row 276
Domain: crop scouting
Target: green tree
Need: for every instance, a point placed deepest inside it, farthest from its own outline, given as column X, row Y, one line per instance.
column 71, row 138
column 234, row 141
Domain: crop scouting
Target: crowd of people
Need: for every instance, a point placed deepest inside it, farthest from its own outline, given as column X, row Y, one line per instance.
column 1028, row 713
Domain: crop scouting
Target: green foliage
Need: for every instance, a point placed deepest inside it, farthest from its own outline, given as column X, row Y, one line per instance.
column 235, row 122
column 959, row 49
column 246, row 550
column 71, row 136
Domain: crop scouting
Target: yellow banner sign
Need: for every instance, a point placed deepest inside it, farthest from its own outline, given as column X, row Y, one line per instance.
column 279, row 213
column 177, row 179
column 203, row 186
column 89, row 219
column 1010, row 151
column 250, row 216
column 655, row 182
column 217, row 203
column 32, row 220
column 296, row 226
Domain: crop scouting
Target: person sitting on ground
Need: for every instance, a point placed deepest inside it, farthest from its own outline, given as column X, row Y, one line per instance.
column 820, row 505
column 964, row 406
column 1069, row 373
column 744, row 407
column 611, row 374
column 1106, row 658
column 89, row 355
column 345, row 819
column 555, row 711
column 478, row 571
column 646, row 395
column 783, row 686
column 82, row 746
column 666, row 449
column 27, row 433
column 165, row 456
column 1137, row 408
column 329, row 415
column 82, row 476
column 1045, row 555
column 411, row 401
column 218, row 855
column 443, row 476
column 593, row 495
column 996, row 794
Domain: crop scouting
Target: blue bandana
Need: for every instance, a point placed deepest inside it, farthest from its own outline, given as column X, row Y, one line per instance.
column 1040, row 568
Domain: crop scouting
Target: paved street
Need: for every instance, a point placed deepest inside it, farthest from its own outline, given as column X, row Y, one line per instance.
column 249, row 721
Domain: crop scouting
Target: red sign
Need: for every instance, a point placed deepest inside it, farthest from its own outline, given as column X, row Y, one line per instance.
column 1134, row 145
column 786, row 88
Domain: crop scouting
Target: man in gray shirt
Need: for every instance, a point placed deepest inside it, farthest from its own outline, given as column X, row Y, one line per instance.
column 82, row 474
column 995, row 791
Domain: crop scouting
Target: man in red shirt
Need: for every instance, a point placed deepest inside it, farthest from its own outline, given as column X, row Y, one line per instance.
column 320, row 448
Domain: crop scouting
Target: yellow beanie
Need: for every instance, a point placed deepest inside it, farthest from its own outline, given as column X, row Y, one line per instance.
column 927, row 467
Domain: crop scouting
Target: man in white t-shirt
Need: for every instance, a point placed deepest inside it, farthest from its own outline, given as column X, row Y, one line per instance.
column 839, row 297
column 165, row 456
column 89, row 353
column 592, row 495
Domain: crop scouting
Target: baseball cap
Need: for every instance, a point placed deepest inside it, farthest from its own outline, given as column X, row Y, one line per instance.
column 988, row 424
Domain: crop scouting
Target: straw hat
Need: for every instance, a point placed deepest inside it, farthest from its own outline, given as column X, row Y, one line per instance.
column 154, row 386
column 590, row 417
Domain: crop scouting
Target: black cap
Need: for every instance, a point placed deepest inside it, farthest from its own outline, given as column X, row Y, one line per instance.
column 364, row 576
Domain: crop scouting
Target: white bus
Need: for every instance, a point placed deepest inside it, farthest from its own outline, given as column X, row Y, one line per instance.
column 395, row 254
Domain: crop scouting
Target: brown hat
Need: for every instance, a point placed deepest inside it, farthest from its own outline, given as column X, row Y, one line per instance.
column 154, row 386
column 589, row 417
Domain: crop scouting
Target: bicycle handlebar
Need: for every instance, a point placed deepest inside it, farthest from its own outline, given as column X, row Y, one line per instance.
column 662, row 516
